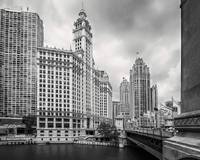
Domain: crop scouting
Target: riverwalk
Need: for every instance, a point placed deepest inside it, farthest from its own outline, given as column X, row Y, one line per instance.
column 17, row 140
column 111, row 144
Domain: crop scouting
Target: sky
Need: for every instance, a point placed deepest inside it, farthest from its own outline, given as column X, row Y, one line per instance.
column 120, row 29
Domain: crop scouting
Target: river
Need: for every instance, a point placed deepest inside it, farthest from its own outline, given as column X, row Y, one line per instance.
column 71, row 152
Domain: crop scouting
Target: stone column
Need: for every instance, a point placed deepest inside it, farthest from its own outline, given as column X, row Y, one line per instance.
column 186, row 143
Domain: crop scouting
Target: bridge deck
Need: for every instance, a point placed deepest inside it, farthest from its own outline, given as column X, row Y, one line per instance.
column 150, row 140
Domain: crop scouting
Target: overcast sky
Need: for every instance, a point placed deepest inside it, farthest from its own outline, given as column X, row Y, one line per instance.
column 120, row 29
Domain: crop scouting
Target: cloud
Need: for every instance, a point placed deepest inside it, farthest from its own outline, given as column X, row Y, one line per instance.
column 171, row 86
column 120, row 29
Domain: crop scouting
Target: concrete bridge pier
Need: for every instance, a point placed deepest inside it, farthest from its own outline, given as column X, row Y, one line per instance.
column 122, row 140
column 186, row 144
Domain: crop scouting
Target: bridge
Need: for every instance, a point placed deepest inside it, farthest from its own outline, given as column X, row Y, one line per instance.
column 185, row 145
column 150, row 140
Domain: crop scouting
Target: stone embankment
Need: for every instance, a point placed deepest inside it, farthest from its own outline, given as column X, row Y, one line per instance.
column 16, row 140
column 111, row 144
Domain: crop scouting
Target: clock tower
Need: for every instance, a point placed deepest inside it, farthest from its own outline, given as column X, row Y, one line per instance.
column 83, row 36
column 83, row 48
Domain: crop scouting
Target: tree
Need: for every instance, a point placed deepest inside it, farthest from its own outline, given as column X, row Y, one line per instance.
column 114, row 133
column 107, row 131
column 30, row 122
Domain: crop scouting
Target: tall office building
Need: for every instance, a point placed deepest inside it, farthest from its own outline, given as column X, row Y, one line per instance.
column 105, row 95
column 116, row 109
column 125, row 99
column 60, row 103
column 97, row 85
column 83, row 41
column 73, row 96
column 154, row 98
column 21, row 33
column 140, row 88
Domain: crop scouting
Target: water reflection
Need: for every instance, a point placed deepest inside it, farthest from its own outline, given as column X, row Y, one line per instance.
column 72, row 152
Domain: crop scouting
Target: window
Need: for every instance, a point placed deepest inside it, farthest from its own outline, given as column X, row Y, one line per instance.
column 50, row 125
column 58, row 119
column 58, row 125
column 66, row 125
column 42, row 119
column 50, row 119
column 66, row 120
column 42, row 125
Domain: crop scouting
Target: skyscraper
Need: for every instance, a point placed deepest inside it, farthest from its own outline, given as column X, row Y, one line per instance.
column 21, row 33
column 105, row 95
column 83, row 41
column 116, row 109
column 154, row 98
column 60, row 101
column 125, row 99
column 140, row 88
column 73, row 96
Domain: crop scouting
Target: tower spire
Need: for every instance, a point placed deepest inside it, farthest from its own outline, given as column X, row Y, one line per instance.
column 82, row 5
column 137, row 54
column 82, row 11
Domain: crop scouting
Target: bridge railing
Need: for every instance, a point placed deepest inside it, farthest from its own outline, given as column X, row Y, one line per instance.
column 154, row 131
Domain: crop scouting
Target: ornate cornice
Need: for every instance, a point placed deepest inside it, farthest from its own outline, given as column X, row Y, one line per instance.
column 188, row 121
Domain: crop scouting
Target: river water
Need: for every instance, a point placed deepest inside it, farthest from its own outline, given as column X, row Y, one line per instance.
column 72, row 152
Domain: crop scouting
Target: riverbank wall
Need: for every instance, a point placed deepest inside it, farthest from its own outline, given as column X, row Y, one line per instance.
column 17, row 140
column 33, row 140
column 111, row 144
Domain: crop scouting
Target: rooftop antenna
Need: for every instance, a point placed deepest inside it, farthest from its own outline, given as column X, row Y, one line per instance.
column 82, row 5
column 137, row 54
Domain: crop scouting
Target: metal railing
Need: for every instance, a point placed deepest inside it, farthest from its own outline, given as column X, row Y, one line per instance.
column 153, row 132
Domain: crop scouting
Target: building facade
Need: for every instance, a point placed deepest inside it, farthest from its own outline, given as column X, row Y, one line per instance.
column 154, row 98
column 125, row 99
column 167, row 112
column 143, row 97
column 105, row 95
column 21, row 32
column 185, row 145
column 73, row 96
column 61, row 114
column 140, row 88
column 83, row 42
column 116, row 109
